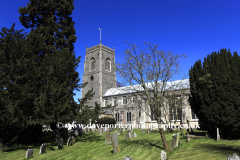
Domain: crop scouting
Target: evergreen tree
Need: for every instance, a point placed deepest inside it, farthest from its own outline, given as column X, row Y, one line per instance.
column 215, row 95
column 56, row 78
column 16, row 85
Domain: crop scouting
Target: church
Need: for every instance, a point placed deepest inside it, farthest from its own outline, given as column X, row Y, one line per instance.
column 100, row 74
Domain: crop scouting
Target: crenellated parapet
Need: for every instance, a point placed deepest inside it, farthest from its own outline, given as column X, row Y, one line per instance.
column 96, row 47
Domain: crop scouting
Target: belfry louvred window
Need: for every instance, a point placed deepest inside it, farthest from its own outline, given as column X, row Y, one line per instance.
column 92, row 64
column 107, row 64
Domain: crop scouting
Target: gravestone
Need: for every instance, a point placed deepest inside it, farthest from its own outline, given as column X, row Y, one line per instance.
column 163, row 155
column 115, row 144
column 143, row 131
column 218, row 138
column 233, row 157
column 207, row 136
column 87, row 130
column 135, row 135
column 60, row 143
column 69, row 142
column 118, row 134
column 188, row 138
column 76, row 133
column 127, row 158
column 124, row 129
column 132, row 134
column 57, row 137
column 42, row 149
column 73, row 139
column 177, row 141
column 121, row 130
column 174, row 141
column 101, row 133
column 29, row 153
column 183, row 132
column 127, row 136
column 1, row 147
column 108, row 139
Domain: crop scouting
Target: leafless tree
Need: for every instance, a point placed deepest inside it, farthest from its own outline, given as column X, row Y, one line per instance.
column 147, row 73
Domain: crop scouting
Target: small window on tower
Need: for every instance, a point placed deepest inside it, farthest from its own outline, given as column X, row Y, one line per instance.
column 92, row 64
column 108, row 64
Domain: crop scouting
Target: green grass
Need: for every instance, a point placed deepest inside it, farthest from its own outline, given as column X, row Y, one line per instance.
column 144, row 147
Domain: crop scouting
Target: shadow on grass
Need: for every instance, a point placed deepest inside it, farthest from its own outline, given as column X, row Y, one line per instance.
column 142, row 142
column 49, row 140
column 223, row 148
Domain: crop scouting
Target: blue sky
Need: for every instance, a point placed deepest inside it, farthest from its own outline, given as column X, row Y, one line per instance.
column 194, row 27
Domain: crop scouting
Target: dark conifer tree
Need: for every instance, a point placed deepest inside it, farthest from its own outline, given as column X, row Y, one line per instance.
column 215, row 95
column 56, row 78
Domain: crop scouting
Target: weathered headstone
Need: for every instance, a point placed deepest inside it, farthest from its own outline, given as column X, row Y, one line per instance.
column 177, row 140
column 163, row 155
column 174, row 141
column 218, row 134
column 207, row 136
column 108, row 139
column 127, row 136
column 188, row 138
column 115, row 144
column 121, row 130
column 86, row 130
column 233, row 157
column 29, row 153
column 143, row 131
column 116, row 132
column 135, row 135
column 124, row 129
column 42, row 149
column 76, row 133
column 183, row 132
column 60, row 143
column 69, row 142
column 100, row 132
column 132, row 134
column 127, row 158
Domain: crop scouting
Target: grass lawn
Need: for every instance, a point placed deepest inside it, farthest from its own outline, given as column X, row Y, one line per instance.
column 144, row 147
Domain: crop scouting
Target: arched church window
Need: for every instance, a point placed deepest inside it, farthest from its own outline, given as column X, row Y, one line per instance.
column 106, row 102
column 92, row 64
column 117, row 117
column 128, row 116
column 124, row 100
column 108, row 64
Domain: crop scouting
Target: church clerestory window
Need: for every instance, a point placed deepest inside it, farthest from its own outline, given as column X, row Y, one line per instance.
column 106, row 102
column 108, row 64
column 115, row 101
column 124, row 100
column 92, row 64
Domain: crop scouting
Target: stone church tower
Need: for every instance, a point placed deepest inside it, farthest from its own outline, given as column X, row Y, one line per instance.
column 99, row 71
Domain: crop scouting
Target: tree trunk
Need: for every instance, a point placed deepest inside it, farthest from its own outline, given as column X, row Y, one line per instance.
column 165, row 144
